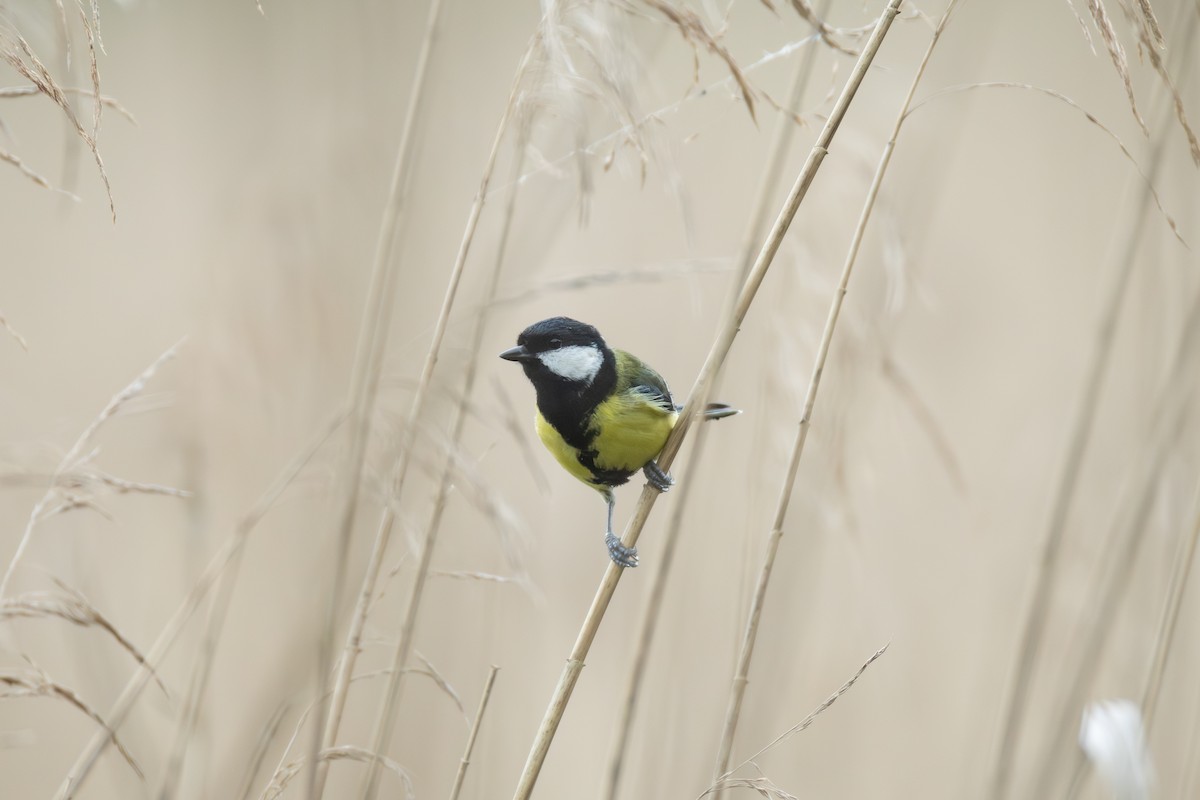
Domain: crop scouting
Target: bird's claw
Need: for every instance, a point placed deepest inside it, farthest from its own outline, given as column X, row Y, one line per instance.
column 657, row 477
column 621, row 555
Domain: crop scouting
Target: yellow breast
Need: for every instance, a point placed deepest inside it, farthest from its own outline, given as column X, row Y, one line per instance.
column 629, row 431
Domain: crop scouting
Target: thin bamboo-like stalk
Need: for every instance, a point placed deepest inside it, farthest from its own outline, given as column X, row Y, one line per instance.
column 387, row 711
column 741, row 676
column 259, row 754
column 1170, row 416
column 461, row 775
column 1034, row 626
column 696, row 399
column 768, row 184
column 1184, row 559
column 387, row 520
column 364, row 384
column 1191, row 772
column 82, row 767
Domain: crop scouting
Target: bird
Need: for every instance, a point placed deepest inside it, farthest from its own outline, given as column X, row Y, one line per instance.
column 604, row 414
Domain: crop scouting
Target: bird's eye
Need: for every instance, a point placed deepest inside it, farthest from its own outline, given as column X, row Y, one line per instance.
column 556, row 343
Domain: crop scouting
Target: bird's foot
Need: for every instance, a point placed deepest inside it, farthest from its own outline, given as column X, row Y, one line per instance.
column 621, row 555
column 658, row 478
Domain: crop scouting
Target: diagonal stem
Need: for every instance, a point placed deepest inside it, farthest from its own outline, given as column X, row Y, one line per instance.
column 741, row 676
column 461, row 775
column 768, row 184
column 364, row 388
column 387, row 711
column 387, row 520
column 696, row 399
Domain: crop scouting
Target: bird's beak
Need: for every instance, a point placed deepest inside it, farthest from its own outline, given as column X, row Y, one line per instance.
column 518, row 353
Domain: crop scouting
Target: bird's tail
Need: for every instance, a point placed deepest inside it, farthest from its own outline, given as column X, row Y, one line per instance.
column 719, row 411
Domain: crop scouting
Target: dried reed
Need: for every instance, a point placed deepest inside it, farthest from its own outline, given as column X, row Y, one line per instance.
column 1078, row 443
column 725, row 779
column 75, row 458
column 385, row 719
column 364, row 387
column 461, row 775
column 232, row 547
column 756, row 222
column 742, row 674
column 696, row 400
column 750, row 636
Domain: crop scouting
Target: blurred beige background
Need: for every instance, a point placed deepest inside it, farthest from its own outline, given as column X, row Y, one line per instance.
column 248, row 200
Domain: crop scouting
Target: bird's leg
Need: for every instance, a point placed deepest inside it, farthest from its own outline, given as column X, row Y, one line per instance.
column 621, row 555
column 658, row 478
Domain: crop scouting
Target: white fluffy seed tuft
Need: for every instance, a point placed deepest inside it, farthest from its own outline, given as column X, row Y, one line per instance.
column 1113, row 740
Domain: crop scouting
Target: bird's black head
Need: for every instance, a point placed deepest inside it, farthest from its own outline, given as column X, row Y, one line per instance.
column 561, row 350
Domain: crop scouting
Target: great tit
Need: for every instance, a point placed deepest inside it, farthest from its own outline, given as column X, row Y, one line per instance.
column 604, row 414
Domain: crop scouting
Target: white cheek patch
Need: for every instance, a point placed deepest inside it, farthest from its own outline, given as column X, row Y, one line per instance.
column 575, row 363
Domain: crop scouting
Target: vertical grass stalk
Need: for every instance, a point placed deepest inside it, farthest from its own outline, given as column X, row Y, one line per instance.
column 365, row 384
column 387, row 519
column 1123, row 547
column 1034, row 626
column 741, row 676
column 716, row 357
column 461, row 775
column 1180, row 577
column 768, row 183
column 387, row 711
column 82, row 767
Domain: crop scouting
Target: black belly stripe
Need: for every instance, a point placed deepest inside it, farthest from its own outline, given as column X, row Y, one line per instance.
column 600, row 475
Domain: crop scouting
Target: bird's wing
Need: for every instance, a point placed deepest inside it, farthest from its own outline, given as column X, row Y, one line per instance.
column 635, row 377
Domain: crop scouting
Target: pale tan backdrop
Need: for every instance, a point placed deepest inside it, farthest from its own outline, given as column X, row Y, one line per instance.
column 248, row 199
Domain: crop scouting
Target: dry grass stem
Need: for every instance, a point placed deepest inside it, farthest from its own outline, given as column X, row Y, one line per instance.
column 1090, row 118
column 342, row 753
column 1117, row 53
column 37, row 178
column 1125, row 542
column 804, row 723
column 473, row 576
column 75, row 458
column 696, row 400
column 806, row 12
column 18, row 54
column 440, row 679
column 695, row 32
column 1078, row 443
column 461, row 775
column 9, row 328
column 316, row 703
column 750, row 636
column 232, row 547
column 109, row 102
column 33, row 682
column 72, row 607
column 385, row 719
column 1183, row 562
column 259, row 753
column 763, row 786
column 1083, row 26
column 368, row 366
column 628, row 131
column 1150, row 37
column 383, row 535
column 755, row 224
